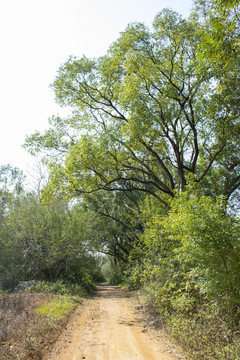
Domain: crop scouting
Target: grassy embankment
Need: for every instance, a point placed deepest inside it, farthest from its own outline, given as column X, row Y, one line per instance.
column 30, row 321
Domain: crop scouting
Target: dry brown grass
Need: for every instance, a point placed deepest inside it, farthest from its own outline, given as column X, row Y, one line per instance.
column 24, row 335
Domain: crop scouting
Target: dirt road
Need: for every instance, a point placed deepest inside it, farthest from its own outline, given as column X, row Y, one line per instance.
column 108, row 327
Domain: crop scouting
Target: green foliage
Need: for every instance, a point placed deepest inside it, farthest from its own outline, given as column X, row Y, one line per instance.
column 192, row 253
column 98, row 276
column 106, row 270
column 114, row 227
column 11, row 179
column 190, row 268
column 205, row 334
column 117, row 274
column 151, row 150
column 209, row 246
column 58, row 308
column 44, row 242
column 11, row 186
column 145, row 115
column 58, row 288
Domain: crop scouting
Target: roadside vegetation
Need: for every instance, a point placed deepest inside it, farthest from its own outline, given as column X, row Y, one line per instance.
column 191, row 275
column 142, row 181
column 32, row 320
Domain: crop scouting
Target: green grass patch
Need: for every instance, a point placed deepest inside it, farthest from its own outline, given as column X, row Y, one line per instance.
column 58, row 307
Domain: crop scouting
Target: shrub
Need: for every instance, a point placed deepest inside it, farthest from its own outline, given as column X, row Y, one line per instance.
column 61, row 288
column 117, row 275
column 205, row 334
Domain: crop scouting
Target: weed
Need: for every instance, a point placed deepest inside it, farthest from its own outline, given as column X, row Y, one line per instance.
column 205, row 334
column 58, row 308
column 31, row 322
column 30, row 341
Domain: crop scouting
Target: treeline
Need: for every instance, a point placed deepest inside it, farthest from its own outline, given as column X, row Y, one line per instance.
column 42, row 241
column 146, row 170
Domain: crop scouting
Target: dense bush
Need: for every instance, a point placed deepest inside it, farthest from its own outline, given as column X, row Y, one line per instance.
column 61, row 287
column 117, row 275
column 45, row 242
column 191, row 270
column 206, row 333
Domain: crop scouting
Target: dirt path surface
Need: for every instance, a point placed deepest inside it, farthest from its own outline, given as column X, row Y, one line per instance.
column 109, row 327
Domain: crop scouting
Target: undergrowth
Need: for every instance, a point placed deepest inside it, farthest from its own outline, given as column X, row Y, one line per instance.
column 63, row 288
column 204, row 332
column 58, row 307
column 30, row 321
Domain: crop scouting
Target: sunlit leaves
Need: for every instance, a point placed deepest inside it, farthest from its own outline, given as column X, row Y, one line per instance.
column 209, row 244
column 145, row 115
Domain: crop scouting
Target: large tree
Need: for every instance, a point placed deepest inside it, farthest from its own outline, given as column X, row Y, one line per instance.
column 218, row 51
column 145, row 115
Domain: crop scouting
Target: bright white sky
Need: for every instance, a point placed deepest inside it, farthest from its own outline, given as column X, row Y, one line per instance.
column 37, row 36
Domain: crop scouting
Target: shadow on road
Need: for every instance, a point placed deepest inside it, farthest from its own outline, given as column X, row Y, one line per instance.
column 105, row 290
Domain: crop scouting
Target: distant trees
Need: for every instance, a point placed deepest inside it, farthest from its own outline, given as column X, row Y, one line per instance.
column 41, row 241
column 11, row 185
